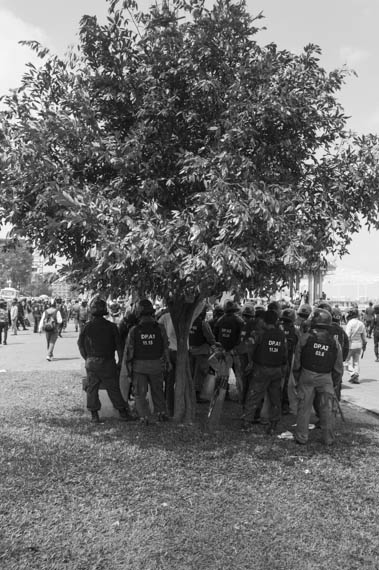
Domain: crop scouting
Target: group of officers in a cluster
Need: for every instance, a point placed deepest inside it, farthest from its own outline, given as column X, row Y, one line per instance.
column 284, row 361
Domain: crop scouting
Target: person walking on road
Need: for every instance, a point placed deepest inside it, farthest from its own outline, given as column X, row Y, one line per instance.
column 356, row 333
column 375, row 329
column 4, row 321
column 14, row 316
column 49, row 323
column 98, row 342
column 37, row 311
column 369, row 319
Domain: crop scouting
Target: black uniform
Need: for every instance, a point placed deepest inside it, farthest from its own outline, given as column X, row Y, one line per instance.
column 98, row 342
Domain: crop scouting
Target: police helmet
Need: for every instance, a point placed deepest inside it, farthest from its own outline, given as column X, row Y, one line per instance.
column 321, row 318
column 325, row 305
column 274, row 306
column 304, row 311
column 270, row 317
column 248, row 310
column 218, row 311
column 145, row 307
column 230, row 306
column 288, row 316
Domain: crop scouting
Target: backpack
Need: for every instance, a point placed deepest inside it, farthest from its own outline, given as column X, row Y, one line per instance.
column 3, row 316
column 50, row 322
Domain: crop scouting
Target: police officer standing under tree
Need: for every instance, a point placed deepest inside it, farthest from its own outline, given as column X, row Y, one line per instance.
column 269, row 357
column 318, row 360
column 145, row 358
column 98, row 342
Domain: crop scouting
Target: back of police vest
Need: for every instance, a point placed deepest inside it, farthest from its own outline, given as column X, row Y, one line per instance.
column 271, row 348
column 148, row 341
column 319, row 353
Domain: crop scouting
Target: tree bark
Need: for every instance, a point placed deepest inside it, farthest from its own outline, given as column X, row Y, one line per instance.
column 185, row 401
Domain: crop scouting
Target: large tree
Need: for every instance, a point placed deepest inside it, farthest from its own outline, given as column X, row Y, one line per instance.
column 190, row 158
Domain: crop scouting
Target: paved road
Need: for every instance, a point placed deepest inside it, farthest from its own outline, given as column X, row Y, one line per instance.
column 365, row 394
column 27, row 352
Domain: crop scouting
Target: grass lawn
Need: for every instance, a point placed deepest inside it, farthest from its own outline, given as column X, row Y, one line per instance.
column 119, row 496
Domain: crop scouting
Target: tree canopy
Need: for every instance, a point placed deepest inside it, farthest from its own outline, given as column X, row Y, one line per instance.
column 186, row 155
column 184, row 151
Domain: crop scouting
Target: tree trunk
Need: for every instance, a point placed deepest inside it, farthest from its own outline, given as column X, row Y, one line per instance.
column 185, row 401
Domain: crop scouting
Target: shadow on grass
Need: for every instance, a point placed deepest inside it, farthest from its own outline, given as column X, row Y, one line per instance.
column 353, row 438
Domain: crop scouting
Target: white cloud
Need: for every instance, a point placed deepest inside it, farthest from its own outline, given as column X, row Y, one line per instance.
column 13, row 56
column 352, row 56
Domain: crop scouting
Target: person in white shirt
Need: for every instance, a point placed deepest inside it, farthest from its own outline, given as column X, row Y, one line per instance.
column 355, row 330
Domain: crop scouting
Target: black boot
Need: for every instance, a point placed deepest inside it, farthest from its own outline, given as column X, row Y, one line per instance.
column 95, row 417
column 125, row 416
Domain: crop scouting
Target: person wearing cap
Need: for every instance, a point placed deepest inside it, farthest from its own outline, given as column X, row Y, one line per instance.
column 14, row 316
column 4, row 321
column 201, row 342
column 356, row 333
column 318, row 358
column 99, row 341
column 145, row 358
column 375, row 332
column 269, row 357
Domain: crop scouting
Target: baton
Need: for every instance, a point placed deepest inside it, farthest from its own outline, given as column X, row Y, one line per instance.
column 339, row 408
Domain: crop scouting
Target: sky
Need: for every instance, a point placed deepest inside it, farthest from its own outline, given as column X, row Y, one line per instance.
column 346, row 31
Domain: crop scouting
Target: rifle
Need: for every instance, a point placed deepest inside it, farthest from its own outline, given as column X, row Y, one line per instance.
column 363, row 350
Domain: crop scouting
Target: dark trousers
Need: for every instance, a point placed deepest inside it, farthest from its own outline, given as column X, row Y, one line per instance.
column 264, row 379
column 141, row 383
column 3, row 332
column 103, row 373
column 376, row 343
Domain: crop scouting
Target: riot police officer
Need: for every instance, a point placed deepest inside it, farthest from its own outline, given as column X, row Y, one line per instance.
column 98, row 342
column 318, row 360
column 269, row 356
column 146, row 356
